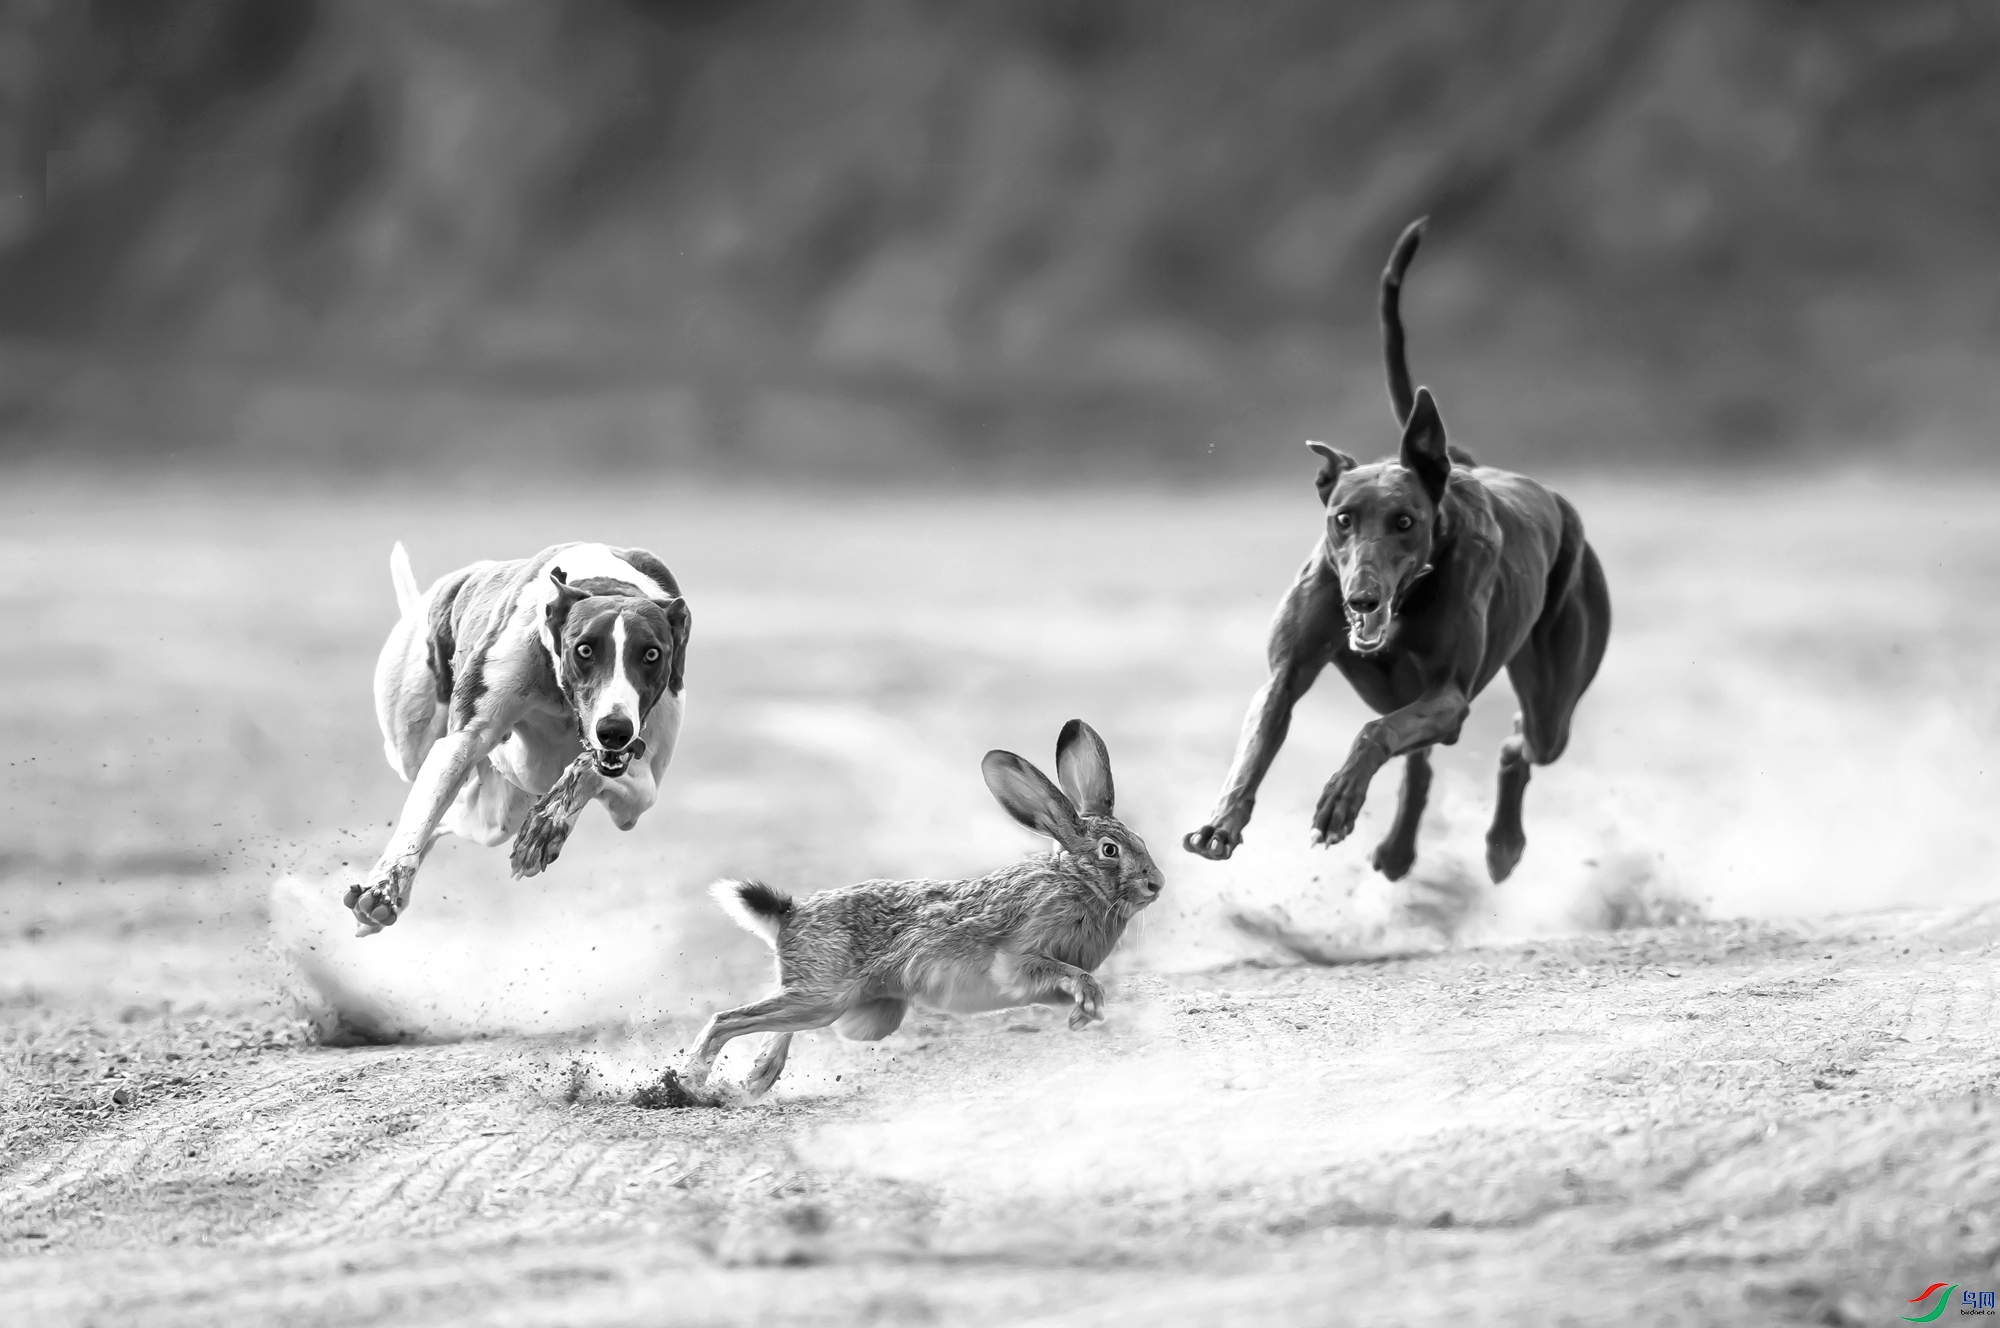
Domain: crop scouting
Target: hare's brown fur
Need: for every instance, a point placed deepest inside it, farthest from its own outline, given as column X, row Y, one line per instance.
column 1030, row 933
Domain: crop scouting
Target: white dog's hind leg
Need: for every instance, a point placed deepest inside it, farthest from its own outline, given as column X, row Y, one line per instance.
column 489, row 809
column 406, row 702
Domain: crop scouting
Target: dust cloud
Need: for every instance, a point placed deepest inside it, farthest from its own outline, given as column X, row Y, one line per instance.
column 431, row 979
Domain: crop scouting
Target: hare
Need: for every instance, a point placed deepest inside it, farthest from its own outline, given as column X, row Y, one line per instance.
column 1027, row 934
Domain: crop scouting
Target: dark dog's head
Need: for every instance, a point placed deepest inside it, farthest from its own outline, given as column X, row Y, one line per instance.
column 1382, row 522
column 616, row 653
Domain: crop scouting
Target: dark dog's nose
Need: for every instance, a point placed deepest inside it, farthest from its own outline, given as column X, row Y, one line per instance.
column 1364, row 601
column 613, row 732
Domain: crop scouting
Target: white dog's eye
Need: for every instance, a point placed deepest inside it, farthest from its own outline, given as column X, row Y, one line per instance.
column 1108, row 848
column 1343, row 519
column 652, row 654
column 583, row 650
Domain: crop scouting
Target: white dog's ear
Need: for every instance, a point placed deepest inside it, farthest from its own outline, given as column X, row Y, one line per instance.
column 565, row 598
column 679, row 621
column 1027, row 795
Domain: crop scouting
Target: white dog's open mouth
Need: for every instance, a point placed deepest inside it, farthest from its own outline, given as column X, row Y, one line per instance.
column 1369, row 632
column 612, row 764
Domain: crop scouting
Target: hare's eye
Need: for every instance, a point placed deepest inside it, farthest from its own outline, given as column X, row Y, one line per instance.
column 1108, row 849
column 583, row 650
column 652, row 654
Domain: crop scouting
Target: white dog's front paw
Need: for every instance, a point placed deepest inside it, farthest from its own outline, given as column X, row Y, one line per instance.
column 381, row 902
column 541, row 837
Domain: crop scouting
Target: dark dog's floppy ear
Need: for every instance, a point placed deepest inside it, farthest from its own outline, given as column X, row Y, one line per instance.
column 1336, row 464
column 678, row 623
column 566, row 598
column 1029, row 798
column 1084, row 767
column 1424, row 448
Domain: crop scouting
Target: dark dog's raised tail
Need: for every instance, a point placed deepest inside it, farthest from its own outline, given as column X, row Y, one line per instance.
column 1402, row 395
column 753, row 906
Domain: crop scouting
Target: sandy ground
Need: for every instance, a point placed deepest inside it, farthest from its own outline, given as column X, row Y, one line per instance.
column 1557, row 1109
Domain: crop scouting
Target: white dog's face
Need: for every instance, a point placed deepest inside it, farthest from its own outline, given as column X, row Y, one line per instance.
column 616, row 654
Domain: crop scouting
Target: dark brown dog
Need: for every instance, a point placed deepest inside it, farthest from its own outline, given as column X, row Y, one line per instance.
column 1433, row 573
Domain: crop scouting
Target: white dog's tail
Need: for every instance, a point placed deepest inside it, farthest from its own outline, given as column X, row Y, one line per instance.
column 405, row 580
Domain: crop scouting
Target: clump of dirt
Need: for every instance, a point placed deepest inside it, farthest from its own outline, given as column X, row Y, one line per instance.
column 670, row 1090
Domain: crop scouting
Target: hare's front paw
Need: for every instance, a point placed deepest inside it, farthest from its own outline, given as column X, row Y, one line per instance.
column 1089, row 1000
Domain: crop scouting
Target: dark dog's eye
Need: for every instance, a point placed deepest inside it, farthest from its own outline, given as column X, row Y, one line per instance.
column 1404, row 523
column 583, row 650
column 652, row 654
column 1108, row 849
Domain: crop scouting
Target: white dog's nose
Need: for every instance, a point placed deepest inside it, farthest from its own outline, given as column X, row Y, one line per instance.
column 613, row 732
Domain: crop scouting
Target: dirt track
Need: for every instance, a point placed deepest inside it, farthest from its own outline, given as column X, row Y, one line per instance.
column 1718, row 1123
column 1245, row 1142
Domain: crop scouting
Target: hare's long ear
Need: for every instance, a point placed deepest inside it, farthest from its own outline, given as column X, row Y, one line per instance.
column 1084, row 767
column 1029, row 797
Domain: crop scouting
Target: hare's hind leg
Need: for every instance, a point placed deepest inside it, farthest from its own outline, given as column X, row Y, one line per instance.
column 871, row 1021
column 770, row 1064
column 787, row 1012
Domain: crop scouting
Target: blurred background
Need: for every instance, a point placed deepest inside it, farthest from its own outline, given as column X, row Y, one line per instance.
column 774, row 234
column 957, row 358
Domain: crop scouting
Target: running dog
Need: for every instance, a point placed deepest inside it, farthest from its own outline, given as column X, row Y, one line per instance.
column 1434, row 572
column 496, row 683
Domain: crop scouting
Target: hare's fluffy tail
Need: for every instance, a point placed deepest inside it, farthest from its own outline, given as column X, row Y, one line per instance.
column 403, row 579
column 753, row 906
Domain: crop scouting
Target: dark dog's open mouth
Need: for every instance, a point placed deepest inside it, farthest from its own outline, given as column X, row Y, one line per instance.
column 612, row 764
column 1368, row 632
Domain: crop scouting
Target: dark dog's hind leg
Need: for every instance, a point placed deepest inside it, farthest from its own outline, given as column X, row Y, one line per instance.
column 1549, row 674
column 1398, row 849
column 1506, row 841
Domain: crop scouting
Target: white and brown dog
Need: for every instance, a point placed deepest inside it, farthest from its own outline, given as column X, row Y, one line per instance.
column 499, row 678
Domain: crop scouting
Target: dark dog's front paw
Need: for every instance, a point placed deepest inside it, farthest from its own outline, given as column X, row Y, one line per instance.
column 1394, row 858
column 381, row 902
column 1214, row 842
column 1339, row 805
